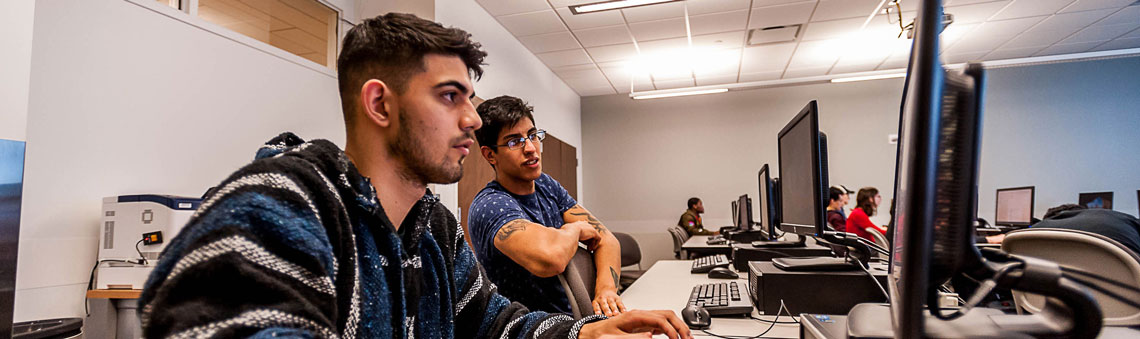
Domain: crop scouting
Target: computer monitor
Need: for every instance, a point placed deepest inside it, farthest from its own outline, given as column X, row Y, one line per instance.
column 735, row 215
column 803, row 174
column 1095, row 200
column 767, row 202
column 744, row 213
column 1014, row 206
column 936, row 176
column 11, row 189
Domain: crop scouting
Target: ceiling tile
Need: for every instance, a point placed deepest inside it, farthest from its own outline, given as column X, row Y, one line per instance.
column 761, row 76
column 954, row 32
column 766, row 58
column 668, row 84
column 564, row 58
column 661, row 29
column 589, row 92
column 963, row 2
column 612, row 52
column 1012, row 53
column 590, row 20
column 549, row 42
column 1071, row 22
column 505, row 7
column 1085, row 5
column 1119, row 43
column 532, row 23
column 781, row 15
column 1069, row 48
column 663, row 47
column 823, row 30
column 1098, row 33
column 978, row 12
column 564, row 3
column 1009, row 27
column 719, row 40
column 719, row 22
column 612, row 35
column 843, row 67
column 1130, row 14
column 621, row 76
column 1035, row 38
column 893, row 63
column 806, row 72
column 715, row 79
column 574, row 70
column 840, row 9
column 583, row 78
column 698, row 7
column 1134, row 34
column 766, row 3
column 1028, row 8
column 815, row 54
column 977, row 41
column 961, row 58
column 721, row 62
column 655, row 12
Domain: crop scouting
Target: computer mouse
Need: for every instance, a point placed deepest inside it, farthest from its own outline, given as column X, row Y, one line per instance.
column 723, row 273
column 696, row 317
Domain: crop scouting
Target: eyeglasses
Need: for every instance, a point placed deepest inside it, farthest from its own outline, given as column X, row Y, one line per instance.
column 517, row 143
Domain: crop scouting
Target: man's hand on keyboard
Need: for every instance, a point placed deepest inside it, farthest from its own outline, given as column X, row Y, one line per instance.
column 638, row 321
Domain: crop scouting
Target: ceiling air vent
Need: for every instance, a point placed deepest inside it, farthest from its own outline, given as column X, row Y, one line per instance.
column 774, row 34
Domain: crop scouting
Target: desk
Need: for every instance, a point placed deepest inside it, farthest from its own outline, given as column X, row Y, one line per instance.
column 666, row 286
column 697, row 245
column 126, row 308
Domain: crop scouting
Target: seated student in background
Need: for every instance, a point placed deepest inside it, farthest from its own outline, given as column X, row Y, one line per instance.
column 691, row 219
column 837, row 198
column 866, row 203
column 525, row 227
column 1114, row 225
column 309, row 241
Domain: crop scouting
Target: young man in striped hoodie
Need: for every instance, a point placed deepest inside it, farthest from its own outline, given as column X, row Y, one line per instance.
column 311, row 241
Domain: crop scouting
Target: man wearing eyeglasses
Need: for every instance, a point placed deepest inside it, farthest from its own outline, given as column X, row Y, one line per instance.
column 525, row 227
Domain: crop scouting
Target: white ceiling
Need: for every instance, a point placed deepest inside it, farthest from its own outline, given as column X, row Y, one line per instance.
column 647, row 47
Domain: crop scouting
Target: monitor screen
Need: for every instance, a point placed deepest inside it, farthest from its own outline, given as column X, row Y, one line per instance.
column 1096, row 200
column 1014, row 206
column 764, row 200
column 801, row 198
column 744, row 213
column 11, row 190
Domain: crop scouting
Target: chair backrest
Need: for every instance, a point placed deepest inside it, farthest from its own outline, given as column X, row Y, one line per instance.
column 678, row 240
column 630, row 251
column 1089, row 251
column 878, row 238
column 579, row 280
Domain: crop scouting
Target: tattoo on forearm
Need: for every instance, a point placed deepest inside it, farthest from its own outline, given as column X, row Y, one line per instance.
column 593, row 221
column 617, row 281
column 510, row 228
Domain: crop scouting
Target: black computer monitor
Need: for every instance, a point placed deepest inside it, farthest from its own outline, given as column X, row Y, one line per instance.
column 11, row 189
column 1101, row 200
column 803, row 174
column 735, row 215
column 744, row 213
column 936, row 183
column 1014, row 206
column 767, row 201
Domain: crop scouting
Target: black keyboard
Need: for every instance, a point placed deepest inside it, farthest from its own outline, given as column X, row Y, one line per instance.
column 720, row 299
column 706, row 264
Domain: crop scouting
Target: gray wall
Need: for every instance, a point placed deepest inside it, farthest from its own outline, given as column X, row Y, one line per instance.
column 1065, row 128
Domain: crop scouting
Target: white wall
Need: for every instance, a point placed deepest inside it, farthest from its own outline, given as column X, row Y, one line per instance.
column 1065, row 128
column 15, row 66
column 513, row 70
column 124, row 100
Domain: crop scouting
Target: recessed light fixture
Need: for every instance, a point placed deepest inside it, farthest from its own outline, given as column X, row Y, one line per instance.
column 614, row 4
column 678, row 94
column 870, row 77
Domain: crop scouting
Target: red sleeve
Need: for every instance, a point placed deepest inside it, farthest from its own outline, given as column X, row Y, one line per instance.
column 860, row 220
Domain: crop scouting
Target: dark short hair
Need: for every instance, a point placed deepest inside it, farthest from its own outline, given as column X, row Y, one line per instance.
column 498, row 113
column 833, row 193
column 693, row 201
column 391, row 48
column 864, row 200
column 1052, row 212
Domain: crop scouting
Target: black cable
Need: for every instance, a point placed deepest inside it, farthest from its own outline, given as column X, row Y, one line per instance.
column 1103, row 290
column 872, row 276
column 979, row 294
column 140, row 251
column 1070, row 269
column 91, row 279
column 772, row 324
column 773, row 321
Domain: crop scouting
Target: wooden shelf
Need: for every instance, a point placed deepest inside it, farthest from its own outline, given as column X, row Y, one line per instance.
column 114, row 294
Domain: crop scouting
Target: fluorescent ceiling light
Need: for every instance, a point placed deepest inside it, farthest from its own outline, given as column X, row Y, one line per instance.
column 677, row 94
column 616, row 4
column 870, row 77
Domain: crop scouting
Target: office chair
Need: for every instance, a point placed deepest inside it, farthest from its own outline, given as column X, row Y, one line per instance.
column 578, row 280
column 630, row 255
column 878, row 238
column 679, row 237
column 1089, row 251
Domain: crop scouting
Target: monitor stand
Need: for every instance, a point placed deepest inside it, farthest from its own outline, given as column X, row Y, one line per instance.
column 874, row 321
column 780, row 243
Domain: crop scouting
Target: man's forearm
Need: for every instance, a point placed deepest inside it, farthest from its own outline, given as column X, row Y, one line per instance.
column 607, row 260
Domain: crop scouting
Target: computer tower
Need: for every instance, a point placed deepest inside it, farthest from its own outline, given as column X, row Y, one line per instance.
column 812, row 292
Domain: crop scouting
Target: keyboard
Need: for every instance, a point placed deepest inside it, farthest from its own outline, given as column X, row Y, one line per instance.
column 706, row 264
column 721, row 299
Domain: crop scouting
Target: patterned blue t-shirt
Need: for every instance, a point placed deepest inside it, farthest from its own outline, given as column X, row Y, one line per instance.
column 492, row 208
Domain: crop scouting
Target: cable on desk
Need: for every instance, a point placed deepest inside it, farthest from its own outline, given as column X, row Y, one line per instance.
column 772, row 324
column 872, row 276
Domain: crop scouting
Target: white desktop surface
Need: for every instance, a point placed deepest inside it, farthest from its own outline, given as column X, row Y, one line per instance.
column 667, row 285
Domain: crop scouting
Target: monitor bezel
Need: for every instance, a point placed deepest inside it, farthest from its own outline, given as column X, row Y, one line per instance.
column 997, row 203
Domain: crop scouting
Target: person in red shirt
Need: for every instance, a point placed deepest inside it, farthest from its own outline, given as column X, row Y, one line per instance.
column 866, row 203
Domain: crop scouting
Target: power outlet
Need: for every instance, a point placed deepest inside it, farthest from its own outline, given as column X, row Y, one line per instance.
column 152, row 238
